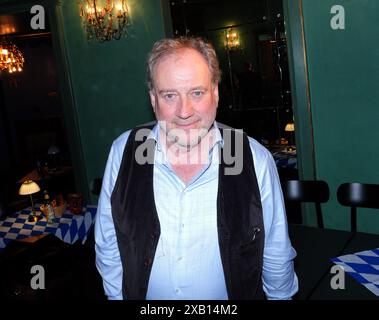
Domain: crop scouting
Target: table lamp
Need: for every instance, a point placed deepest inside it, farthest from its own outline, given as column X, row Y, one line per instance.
column 290, row 127
column 28, row 188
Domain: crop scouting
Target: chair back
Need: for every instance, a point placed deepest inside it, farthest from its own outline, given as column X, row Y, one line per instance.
column 316, row 191
column 355, row 195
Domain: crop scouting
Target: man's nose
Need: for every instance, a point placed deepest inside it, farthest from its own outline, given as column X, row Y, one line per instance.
column 185, row 108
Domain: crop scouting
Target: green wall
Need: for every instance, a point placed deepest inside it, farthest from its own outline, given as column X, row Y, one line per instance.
column 108, row 79
column 343, row 71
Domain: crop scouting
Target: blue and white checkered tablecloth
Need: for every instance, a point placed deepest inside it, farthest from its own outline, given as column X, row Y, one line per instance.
column 285, row 160
column 68, row 227
column 362, row 266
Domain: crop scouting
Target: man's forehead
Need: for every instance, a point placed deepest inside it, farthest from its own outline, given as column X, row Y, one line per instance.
column 182, row 54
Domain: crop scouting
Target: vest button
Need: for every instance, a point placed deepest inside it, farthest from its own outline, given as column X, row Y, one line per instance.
column 152, row 235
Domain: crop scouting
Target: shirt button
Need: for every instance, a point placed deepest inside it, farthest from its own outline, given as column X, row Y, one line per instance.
column 177, row 290
column 180, row 258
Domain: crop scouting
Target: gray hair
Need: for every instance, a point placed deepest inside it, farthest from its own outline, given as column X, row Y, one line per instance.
column 165, row 47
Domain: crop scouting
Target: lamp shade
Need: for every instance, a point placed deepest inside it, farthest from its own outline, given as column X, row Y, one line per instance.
column 29, row 187
column 290, row 127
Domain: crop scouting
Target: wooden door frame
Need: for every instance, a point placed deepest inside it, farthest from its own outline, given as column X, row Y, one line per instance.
column 301, row 99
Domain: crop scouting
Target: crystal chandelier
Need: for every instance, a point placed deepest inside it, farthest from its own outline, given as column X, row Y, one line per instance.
column 11, row 58
column 104, row 20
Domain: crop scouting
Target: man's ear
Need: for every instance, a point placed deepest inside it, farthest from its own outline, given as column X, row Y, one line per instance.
column 152, row 98
column 215, row 94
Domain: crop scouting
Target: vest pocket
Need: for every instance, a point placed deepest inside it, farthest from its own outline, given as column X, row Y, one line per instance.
column 250, row 261
column 250, row 245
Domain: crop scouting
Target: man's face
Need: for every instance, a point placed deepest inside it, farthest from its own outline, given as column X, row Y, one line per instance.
column 184, row 98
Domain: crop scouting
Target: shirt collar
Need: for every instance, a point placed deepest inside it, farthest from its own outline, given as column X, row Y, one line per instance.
column 218, row 137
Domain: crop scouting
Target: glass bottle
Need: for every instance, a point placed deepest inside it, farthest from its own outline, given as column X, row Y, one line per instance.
column 49, row 208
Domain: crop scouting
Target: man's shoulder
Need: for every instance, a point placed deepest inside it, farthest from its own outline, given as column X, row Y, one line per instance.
column 256, row 148
column 121, row 140
column 260, row 154
column 263, row 159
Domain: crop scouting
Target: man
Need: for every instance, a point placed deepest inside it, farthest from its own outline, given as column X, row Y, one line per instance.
column 175, row 219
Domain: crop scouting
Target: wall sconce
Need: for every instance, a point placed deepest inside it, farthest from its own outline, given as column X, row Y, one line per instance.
column 232, row 41
column 104, row 20
column 11, row 58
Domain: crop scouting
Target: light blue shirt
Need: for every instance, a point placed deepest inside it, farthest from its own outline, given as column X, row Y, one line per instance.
column 187, row 262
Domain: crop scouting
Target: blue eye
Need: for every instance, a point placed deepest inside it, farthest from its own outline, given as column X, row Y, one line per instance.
column 197, row 93
column 169, row 96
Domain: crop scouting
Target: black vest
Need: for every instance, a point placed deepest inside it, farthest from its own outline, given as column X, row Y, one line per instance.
column 239, row 223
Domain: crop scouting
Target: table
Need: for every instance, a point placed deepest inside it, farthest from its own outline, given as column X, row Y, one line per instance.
column 315, row 248
column 69, row 228
column 353, row 289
